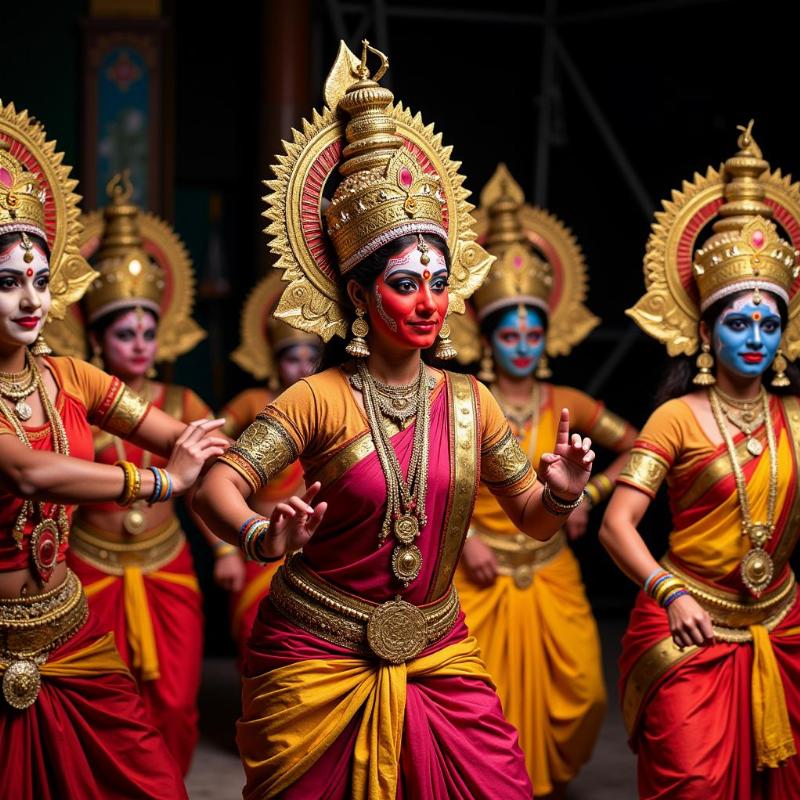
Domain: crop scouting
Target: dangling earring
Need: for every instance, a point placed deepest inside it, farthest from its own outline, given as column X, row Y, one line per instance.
column 97, row 357
column 705, row 363
column 542, row 369
column 151, row 373
column 486, row 374
column 779, row 365
column 40, row 347
column 445, row 349
column 357, row 346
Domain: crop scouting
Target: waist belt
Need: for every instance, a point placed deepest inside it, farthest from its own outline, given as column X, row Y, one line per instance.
column 732, row 613
column 395, row 631
column 519, row 556
column 148, row 552
column 32, row 627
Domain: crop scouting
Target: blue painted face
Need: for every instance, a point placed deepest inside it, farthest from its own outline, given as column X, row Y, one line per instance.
column 518, row 341
column 747, row 335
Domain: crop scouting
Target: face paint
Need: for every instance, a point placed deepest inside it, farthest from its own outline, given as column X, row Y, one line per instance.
column 518, row 341
column 297, row 362
column 747, row 334
column 24, row 296
column 129, row 344
column 408, row 302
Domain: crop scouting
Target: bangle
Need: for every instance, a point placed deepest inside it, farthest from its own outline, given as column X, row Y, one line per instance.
column 558, row 508
column 674, row 596
column 168, row 478
column 603, row 484
column 248, row 528
column 223, row 549
column 133, row 483
column 658, row 571
column 666, row 588
column 593, row 496
column 162, row 486
column 253, row 540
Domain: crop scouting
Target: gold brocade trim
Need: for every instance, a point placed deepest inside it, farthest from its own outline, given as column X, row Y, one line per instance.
column 609, row 429
column 648, row 670
column 265, row 446
column 791, row 528
column 347, row 457
column 644, row 469
column 35, row 625
column 464, row 459
column 315, row 605
column 504, row 463
column 148, row 553
column 125, row 415
column 520, row 557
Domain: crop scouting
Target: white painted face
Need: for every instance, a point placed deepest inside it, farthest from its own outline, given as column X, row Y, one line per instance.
column 24, row 295
column 130, row 343
column 297, row 362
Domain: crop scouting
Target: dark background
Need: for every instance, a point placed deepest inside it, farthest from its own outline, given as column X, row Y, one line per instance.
column 641, row 95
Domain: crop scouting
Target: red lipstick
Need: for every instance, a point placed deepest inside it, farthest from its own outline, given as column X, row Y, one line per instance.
column 752, row 358
column 29, row 323
column 521, row 362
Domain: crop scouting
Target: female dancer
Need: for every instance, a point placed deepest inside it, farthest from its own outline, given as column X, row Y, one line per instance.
column 72, row 723
column 360, row 677
column 524, row 600
column 135, row 564
column 711, row 659
column 281, row 355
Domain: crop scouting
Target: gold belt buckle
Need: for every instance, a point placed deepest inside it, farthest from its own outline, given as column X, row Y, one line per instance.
column 397, row 631
column 21, row 683
column 523, row 576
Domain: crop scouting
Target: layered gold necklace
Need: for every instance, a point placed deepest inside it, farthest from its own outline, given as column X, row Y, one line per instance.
column 757, row 568
column 18, row 386
column 396, row 403
column 405, row 515
column 746, row 415
column 522, row 416
column 51, row 531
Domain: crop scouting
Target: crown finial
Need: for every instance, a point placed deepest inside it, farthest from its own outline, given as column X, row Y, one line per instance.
column 362, row 71
column 120, row 189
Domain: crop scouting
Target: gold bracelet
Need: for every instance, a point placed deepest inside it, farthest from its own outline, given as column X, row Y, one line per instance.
column 556, row 507
column 593, row 493
column 133, row 483
column 667, row 586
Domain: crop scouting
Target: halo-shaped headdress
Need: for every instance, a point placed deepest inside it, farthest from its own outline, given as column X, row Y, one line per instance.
column 263, row 335
column 142, row 262
column 38, row 196
column 539, row 262
column 744, row 251
column 397, row 178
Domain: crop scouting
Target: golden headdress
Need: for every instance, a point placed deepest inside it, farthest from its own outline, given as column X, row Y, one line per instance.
column 37, row 196
column 141, row 263
column 744, row 251
column 263, row 335
column 539, row 263
column 397, row 179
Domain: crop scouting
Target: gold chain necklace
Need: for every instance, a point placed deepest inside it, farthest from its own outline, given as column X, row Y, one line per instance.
column 757, row 567
column 746, row 415
column 18, row 386
column 47, row 536
column 395, row 402
column 520, row 416
column 405, row 515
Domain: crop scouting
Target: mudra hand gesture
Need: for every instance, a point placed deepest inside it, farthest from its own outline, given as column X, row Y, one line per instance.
column 567, row 469
column 292, row 523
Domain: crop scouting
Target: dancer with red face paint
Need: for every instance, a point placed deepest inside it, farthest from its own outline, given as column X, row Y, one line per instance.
column 360, row 677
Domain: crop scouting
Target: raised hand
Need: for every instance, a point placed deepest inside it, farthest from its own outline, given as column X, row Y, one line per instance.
column 293, row 523
column 568, row 467
column 191, row 451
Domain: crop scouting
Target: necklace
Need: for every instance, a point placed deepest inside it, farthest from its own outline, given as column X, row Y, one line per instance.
column 405, row 513
column 18, row 386
column 757, row 568
column 522, row 416
column 53, row 529
column 397, row 403
column 746, row 415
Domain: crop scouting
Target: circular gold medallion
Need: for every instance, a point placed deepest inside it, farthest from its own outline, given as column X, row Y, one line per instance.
column 406, row 562
column 397, row 631
column 406, row 528
column 754, row 447
column 21, row 684
column 23, row 410
column 757, row 570
column 360, row 327
column 523, row 576
column 134, row 521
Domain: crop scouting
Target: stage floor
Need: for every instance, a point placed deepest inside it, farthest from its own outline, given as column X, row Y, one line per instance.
column 216, row 773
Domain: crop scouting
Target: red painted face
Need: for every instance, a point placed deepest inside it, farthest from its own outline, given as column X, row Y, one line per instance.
column 409, row 299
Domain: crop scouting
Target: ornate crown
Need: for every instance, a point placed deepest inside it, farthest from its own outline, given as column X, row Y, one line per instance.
column 745, row 250
column 38, row 196
column 398, row 178
column 263, row 335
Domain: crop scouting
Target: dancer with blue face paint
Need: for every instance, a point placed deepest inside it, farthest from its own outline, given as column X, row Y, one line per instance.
column 711, row 659
column 524, row 601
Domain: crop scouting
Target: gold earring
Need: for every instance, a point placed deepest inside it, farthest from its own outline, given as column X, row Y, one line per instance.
column 357, row 347
column 97, row 357
column 486, row 373
column 705, row 363
column 779, row 365
column 542, row 369
column 445, row 349
column 40, row 347
column 151, row 373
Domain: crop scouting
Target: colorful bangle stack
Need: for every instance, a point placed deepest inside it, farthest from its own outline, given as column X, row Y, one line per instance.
column 556, row 507
column 664, row 587
column 251, row 535
column 598, row 489
column 222, row 549
column 162, row 486
column 133, row 483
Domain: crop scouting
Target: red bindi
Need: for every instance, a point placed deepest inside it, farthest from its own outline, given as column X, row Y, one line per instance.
column 29, row 272
column 426, row 274
column 757, row 316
